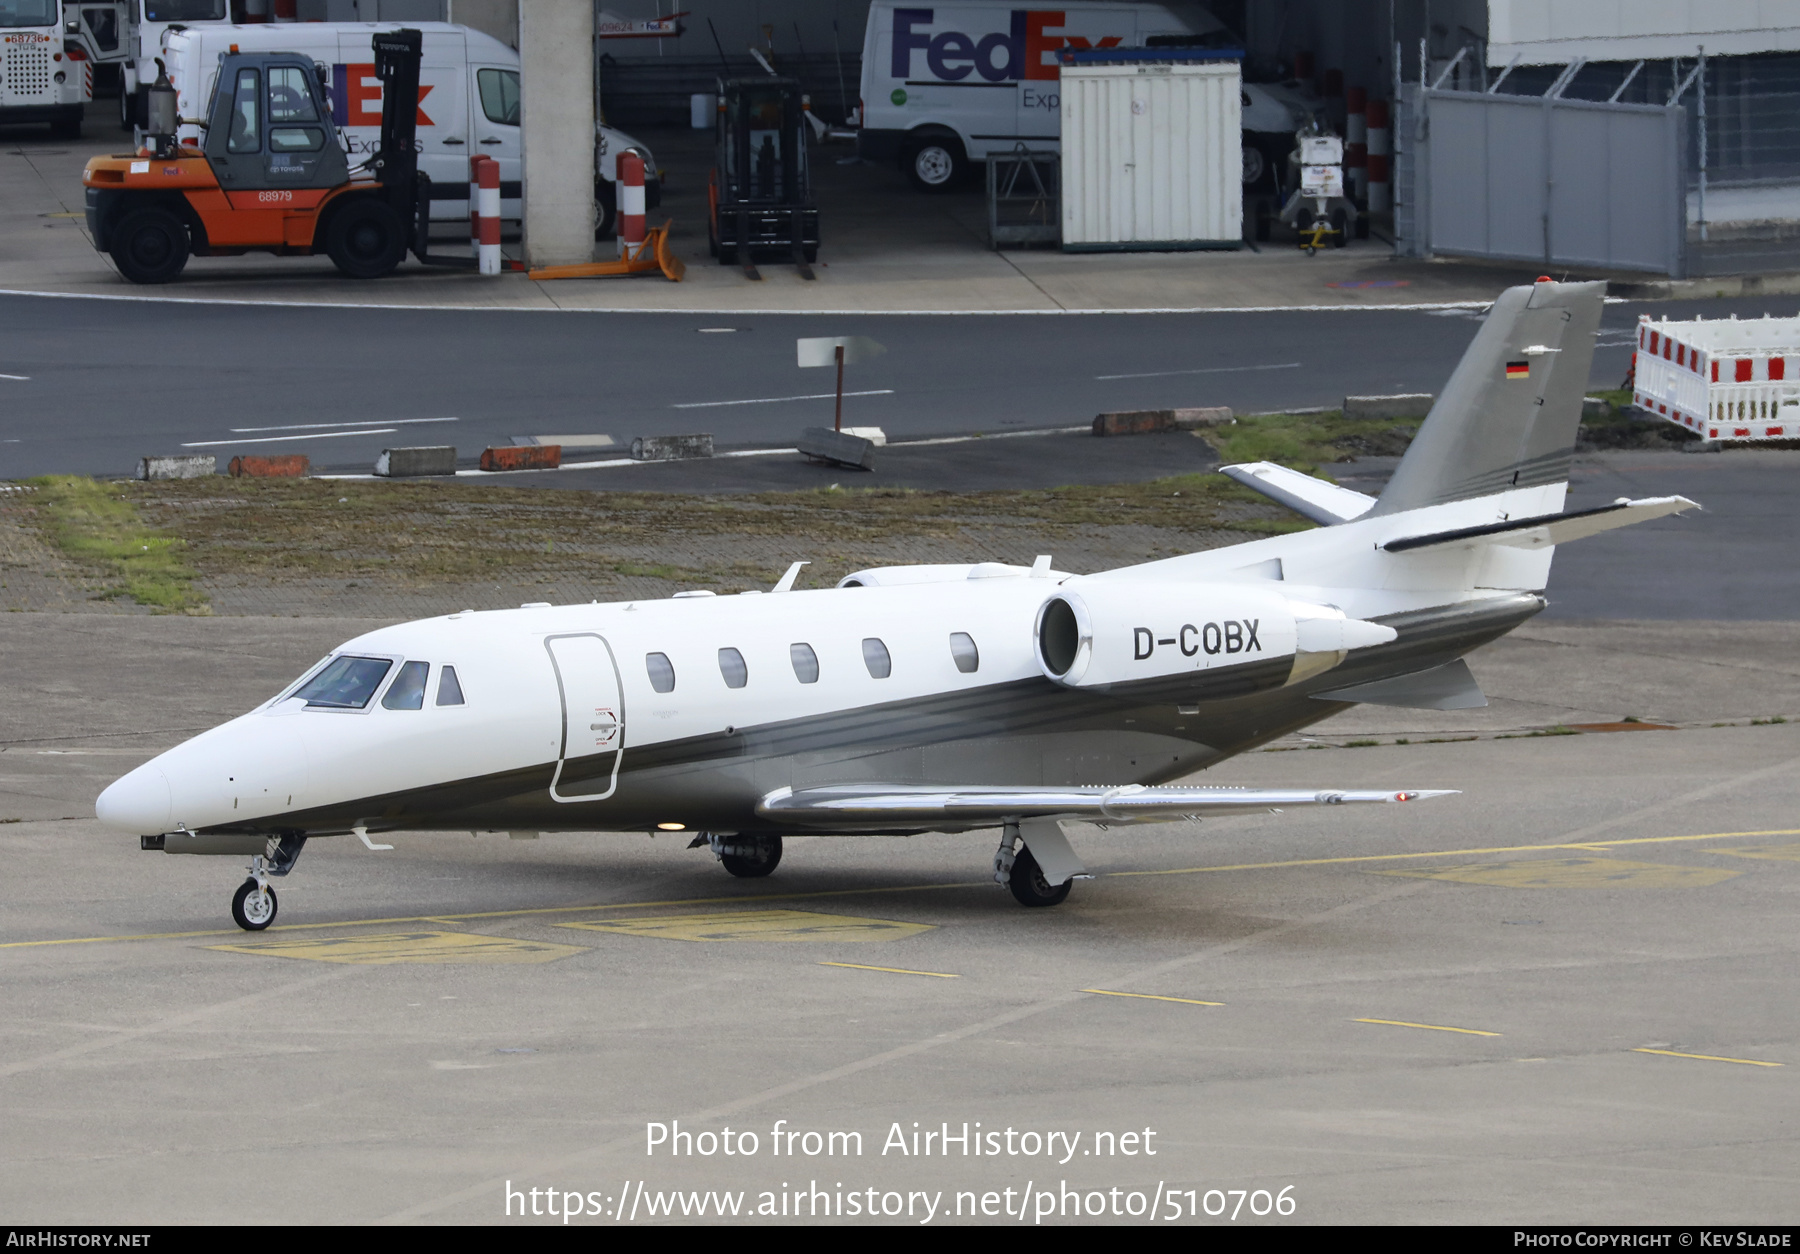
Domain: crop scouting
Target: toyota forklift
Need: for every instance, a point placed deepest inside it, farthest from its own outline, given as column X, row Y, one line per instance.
column 759, row 193
column 269, row 174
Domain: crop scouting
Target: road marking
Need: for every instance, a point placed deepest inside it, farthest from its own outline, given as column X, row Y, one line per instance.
column 1407, row 307
column 284, row 439
column 860, row 892
column 17, row 378
column 775, row 400
column 1671, row 1053
column 1784, row 853
column 1186, row 1001
column 758, row 925
column 409, row 947
column 1574, row 873
column 1163, row 374
column 319, row 426
column 1430, row 1027
column 857, row 966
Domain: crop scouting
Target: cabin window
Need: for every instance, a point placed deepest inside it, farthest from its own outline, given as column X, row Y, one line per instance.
column 963, row 650
column 246, row 123
column 407, row 692
column 731, row 665
column 296, row 139
column 290, row 95
column 499, row 95
column 449, row 689
column 662, row 671
column 806, row 663
column 875, row 657
column 346, row 684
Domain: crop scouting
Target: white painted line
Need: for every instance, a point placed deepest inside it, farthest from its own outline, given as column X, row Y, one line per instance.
column 283, row 439
column 775, row 400
column 1160, row 374
column 17, row 378
column 1414, row 307
column 315, row 426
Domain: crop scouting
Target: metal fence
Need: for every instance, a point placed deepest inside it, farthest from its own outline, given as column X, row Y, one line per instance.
column 1740, row 150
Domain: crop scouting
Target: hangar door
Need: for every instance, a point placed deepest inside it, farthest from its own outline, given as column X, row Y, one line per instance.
column 1526, row 178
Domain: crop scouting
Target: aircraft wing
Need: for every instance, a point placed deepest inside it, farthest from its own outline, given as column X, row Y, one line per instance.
column 889, row 805
column 1549, row 529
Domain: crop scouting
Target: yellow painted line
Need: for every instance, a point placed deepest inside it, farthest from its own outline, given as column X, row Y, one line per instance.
column 408, row 947
column 1670, row 1053
column 1445, row 853
column 869, row 892
column 1571, row 873
column 756, row 925
column 1430, row 1027
column 1186, row 1001
column 857, row 966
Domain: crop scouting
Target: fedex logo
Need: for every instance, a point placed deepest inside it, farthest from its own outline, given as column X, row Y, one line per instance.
column 356, row 96
column 1025, row 50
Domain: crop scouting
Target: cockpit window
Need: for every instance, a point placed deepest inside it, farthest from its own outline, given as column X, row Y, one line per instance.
column 346, row 683
column 449, row 690
column 407, row 692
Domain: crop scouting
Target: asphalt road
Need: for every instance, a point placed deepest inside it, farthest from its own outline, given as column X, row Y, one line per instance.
column 90, row 386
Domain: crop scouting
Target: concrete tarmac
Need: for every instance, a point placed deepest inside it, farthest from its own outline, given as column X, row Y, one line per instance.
column 1563, row 996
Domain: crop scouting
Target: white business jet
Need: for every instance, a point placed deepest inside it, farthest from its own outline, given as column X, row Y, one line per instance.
column 929, row 698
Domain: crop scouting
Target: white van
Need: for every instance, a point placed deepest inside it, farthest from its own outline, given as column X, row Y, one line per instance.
column 468, row 101
column 944, row 86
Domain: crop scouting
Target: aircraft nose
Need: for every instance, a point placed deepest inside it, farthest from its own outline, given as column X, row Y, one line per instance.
column 138, row 803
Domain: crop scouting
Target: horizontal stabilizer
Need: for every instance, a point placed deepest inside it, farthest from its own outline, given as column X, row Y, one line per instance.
column 1309, row 497
column 847, row 806
column 1448, row 687
column 1548, row 529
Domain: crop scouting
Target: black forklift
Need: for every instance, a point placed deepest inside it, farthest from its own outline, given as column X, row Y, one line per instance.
column 759, row 194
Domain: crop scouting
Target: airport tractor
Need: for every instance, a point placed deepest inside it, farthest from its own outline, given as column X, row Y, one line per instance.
column 269, row 174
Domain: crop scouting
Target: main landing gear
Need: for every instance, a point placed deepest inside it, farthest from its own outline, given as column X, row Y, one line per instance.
column 747, row 857
column 254, row 904
column 1018, row 870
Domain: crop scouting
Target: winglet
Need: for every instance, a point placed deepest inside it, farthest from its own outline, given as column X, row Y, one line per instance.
column 786, row 582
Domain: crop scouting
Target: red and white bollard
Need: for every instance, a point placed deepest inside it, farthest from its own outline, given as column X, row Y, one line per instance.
column 629, row 194
column 1381, row 147
column 484, row 221
column 1356, row 143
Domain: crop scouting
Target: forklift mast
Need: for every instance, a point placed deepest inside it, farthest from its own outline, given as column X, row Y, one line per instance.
column 396, row 157
column 762, row 186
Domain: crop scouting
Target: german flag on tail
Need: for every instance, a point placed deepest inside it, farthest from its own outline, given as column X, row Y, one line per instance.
column 1518, row 370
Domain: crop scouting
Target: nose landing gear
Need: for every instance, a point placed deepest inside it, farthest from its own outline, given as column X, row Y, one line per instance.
column 253, row 906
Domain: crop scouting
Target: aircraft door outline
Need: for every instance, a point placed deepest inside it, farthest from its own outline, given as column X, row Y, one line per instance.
column 593, row 717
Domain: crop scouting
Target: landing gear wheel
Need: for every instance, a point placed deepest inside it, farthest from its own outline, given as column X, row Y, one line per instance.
column 366, row 240
column 936, row 165
column 150, row 246
column 1029, row 887
column 253, row 906
column 750, row 866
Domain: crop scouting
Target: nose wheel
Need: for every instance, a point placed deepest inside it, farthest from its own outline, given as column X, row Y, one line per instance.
column 253, row 905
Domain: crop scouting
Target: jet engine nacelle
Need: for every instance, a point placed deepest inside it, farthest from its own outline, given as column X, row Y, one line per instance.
column 1099, row 633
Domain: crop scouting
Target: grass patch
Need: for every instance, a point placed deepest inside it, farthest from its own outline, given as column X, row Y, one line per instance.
column 1304, row 442
column 98, row 526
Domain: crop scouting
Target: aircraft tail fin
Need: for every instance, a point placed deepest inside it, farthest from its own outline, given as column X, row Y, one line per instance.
column 1509, row 414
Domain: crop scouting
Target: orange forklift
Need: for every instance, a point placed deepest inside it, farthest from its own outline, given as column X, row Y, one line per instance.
column 269, row 175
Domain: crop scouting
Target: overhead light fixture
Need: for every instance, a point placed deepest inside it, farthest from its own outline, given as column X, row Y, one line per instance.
column 671, row 827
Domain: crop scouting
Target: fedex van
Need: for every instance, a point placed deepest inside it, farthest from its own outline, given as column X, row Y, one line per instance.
column 946, row 83
column 468, row 102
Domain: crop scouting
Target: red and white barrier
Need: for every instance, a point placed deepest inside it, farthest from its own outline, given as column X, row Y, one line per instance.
column 1356, row 143
column 1380, row 158
column 629, row 193
column 1722, row 378
column 484, row 220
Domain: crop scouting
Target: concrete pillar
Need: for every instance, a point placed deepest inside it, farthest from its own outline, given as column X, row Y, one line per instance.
column 556, row 62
